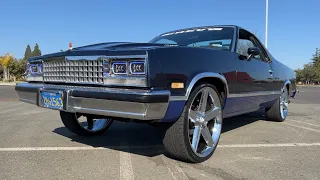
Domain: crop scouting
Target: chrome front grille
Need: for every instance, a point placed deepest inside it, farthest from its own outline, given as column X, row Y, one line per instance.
column 82, row 71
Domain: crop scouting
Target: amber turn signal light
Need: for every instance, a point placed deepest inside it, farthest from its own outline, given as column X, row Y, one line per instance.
column 176, row 85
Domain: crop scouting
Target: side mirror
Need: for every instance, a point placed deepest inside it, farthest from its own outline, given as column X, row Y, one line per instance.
column 253, row 51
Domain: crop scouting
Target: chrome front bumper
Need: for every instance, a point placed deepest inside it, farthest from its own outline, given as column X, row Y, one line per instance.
column 125, row 103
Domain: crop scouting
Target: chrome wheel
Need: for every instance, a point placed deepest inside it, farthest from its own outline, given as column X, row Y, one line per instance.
column 205, row 121
column 279, row 110
column 284, row 103
column 85, row 125
column 91, row 124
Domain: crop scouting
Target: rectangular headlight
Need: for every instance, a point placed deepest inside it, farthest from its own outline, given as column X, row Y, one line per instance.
column 34, row 71
column 137, row 67
column 34, row 68
column 119, row 68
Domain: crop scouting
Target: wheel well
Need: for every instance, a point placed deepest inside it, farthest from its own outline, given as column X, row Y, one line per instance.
column 221, row 87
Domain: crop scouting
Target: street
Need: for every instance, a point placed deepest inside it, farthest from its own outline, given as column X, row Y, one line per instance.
column 35, row 145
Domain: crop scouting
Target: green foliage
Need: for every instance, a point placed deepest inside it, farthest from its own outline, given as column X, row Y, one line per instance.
column 12, row 69
column 310, row 72
column 316, row 57
column 36, row 50
column 27, row 53
column 15, row 69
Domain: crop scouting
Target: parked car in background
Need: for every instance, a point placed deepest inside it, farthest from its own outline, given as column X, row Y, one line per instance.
column 191, row 78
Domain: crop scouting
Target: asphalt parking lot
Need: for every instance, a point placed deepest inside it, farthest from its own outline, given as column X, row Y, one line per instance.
column 35, row 145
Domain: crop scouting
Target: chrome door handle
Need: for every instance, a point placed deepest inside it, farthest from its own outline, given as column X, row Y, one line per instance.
column 271, row 72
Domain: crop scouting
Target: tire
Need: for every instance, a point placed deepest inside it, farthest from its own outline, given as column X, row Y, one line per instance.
column 71, row 122
column 177, row 140
column 279, row 110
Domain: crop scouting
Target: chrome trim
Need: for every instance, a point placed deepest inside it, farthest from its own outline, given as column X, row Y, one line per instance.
column 125, row 81
column 137, row 62
column 73, row 71
column 30, row 93
column 96, row 57
column 34, row 76
column 284, row 103
column 235, row 40
column 30, row 77
column 110, row 78
column 255, row 93
column 205, row 75
column 35, row 60
column 132, row 110
column 178, row 98
column 286, row 82
column 82, row 58
column 119, row 62
column 34, row 73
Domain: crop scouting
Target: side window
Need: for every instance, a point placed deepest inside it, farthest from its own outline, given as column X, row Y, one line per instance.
column 243, row 45
column 247, row 40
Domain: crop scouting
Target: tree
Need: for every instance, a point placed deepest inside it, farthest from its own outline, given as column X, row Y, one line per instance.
column 316, row 57
column 36, row 50
column 5, row 61
column 27, row 53
column 299, row 75
column 309, row 73
column 16, row 68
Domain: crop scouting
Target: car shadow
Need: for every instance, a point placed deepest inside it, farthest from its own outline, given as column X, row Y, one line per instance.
column 144, row 139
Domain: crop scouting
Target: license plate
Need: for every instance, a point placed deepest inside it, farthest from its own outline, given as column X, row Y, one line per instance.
column 51, row 100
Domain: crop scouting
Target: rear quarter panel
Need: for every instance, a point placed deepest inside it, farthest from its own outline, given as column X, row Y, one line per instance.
column 282, row 74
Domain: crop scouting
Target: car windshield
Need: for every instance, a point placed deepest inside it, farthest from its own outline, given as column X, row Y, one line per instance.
column 216, row 37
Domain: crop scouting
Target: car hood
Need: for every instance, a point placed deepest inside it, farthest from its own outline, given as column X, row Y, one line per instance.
column 120, row 45
column 109, row 49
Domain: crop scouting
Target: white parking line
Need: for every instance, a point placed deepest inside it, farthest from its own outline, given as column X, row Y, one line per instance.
column 174, row 169
column 302, row 127
column 267, row 145
column 12, row 105
column 73, row 148
column 148, row 147
column 126, row 170
column 10, row 110
column 306, row 123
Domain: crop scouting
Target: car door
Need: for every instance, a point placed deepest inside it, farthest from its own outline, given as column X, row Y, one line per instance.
column 254, row 76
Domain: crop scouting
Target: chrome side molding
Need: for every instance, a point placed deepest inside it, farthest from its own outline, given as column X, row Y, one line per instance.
column 255, row 93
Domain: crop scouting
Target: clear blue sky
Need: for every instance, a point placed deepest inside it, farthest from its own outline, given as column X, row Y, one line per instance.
column 294, row 28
